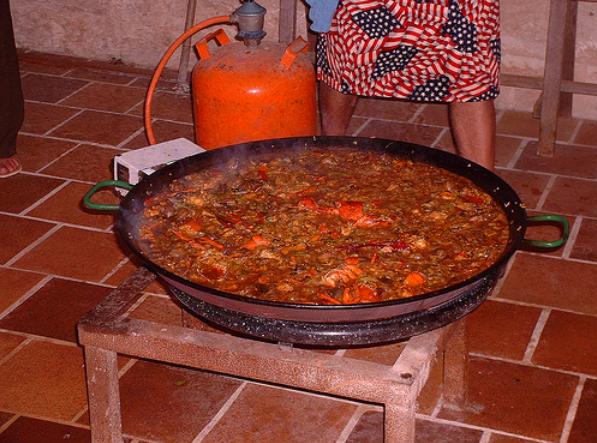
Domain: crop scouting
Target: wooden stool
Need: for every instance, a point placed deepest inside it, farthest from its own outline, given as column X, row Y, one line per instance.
column 107, row 331
column 557, row 83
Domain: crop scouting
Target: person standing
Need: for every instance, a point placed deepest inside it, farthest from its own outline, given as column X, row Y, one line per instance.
column 11, row 95
column 427, row 51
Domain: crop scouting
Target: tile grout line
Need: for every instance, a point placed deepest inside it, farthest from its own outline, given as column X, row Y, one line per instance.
column 38, row 102
column 550, row 174
column 141, row 102
column 216, row 418
column 518, row 436
column 132, row 76
column 133, row 80
column 459, row 424
column 64, row 74
column 438, row 407
column 546, row 191
column 536, row 335
column 56, row 177
column 485, row 437
column 79, row 414
column 114, row 270
column 25, row 296
column 558, row 257
column 532, row 365
column 110, row 229
column 59, row 125
column 33, row 245
column 351, row 424
column 135, row 305
column 72, row 140
column 127, row 367
column 439, row 137
column 48, row 419
column 517, row 154
column 62, row 277
column 360, row 128
column 45, row 198
column 82, row 88
column 140, row 439
column 498, row 286
column 385, row 120
column 107, row 111
column 64, row 154
column 581, row 145
column 131, row 137
column 572, row 237
column 538, row 306
column 42, row 338
column 575, row 132
column 154, row 119
column 67, row 225
column 415, row 115
column 572, row 410
column 15, row 350
column 8, row 423
column 29, row 271
column 158, row 295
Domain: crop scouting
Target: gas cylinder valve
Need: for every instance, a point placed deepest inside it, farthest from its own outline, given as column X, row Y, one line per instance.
column 249, row 18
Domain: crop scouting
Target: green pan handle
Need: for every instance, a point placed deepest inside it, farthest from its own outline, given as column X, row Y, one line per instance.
column 101, row 185
column 551, row 219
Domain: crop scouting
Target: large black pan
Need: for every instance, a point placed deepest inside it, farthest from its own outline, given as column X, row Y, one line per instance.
column 131, row 214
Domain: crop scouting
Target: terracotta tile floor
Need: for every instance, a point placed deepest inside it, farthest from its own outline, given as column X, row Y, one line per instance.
column 533, row 368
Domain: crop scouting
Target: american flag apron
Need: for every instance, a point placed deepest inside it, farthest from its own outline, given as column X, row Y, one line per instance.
column 420, row 50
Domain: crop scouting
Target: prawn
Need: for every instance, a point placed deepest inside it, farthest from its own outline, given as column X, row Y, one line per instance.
column 345, row 274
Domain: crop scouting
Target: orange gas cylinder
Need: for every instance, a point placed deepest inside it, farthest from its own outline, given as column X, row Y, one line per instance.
column 243, row 93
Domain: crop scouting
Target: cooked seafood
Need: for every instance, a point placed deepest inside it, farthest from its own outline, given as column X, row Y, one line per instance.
column 324, row 226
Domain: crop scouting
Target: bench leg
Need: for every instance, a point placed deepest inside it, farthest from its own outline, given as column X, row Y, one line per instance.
column 399, row 423
column 104, row 396
column 552, row 78
column 455, row 367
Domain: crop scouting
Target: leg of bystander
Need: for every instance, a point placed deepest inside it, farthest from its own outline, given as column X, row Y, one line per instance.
column 11, row 95
column 473, row 127
column 336, row 110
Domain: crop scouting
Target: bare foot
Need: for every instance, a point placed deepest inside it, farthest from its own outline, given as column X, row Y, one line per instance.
column 9, row 166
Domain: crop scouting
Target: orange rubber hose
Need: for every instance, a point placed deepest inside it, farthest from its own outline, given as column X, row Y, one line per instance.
column 160, row 68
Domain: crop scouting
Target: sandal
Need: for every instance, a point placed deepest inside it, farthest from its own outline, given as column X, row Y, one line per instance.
column 9, row 166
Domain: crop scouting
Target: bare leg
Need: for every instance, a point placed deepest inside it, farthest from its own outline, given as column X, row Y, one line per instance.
column 336, row 110
column 473, row 126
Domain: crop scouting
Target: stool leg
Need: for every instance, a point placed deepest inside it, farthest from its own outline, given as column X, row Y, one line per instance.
column 399, row 424
column 455, row 367
column 569, row 57
column 104, row 396
column 552, row 78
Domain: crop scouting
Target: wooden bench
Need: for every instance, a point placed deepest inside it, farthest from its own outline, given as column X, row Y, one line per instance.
column 108, row 331
column 557, row 84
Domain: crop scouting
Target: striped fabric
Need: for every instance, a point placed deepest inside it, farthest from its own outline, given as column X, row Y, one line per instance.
column 420, row 50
